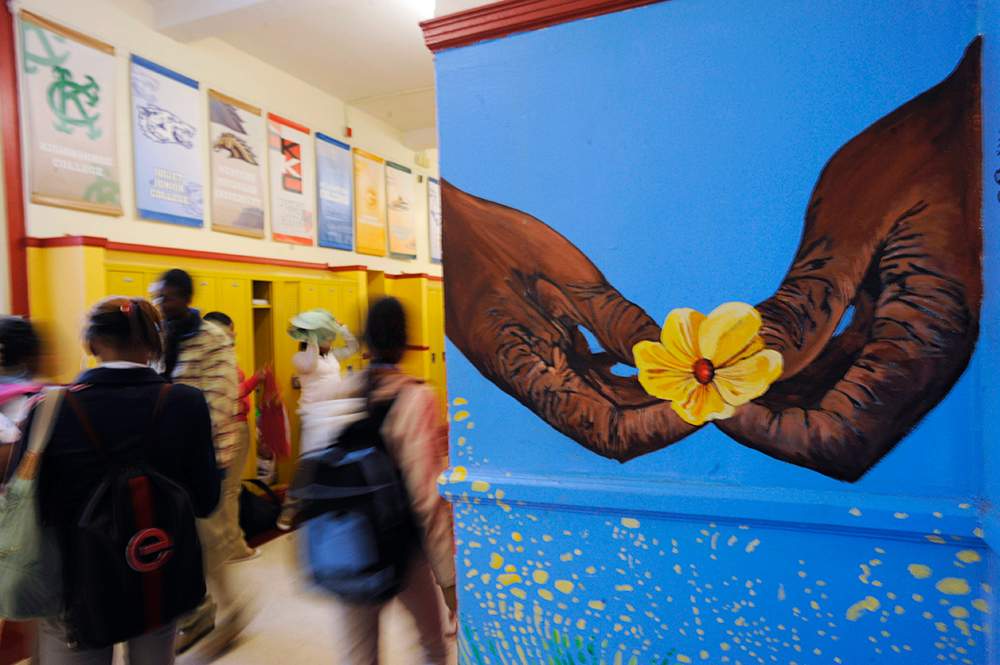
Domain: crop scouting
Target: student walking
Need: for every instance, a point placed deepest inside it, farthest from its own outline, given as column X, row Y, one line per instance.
column 19, row 355
column 121, row 415
column 201, row 355
column 416, row 437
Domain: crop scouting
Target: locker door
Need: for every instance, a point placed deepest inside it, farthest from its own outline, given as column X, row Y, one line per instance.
column 350, row 315
column 310, row 296
column 126, row 283
column 205, row 296
column 234, row 300
column 435, row 324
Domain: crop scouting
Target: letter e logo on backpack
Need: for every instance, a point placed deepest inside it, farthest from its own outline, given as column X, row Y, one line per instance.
column 148, row 550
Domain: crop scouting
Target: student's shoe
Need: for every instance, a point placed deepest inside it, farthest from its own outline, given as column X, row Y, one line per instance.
column 287, row 518
column 195, row 628
column 250, row 554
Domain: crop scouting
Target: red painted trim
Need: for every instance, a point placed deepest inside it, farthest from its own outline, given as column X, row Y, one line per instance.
column 67, row 241
column 417, row 347
column 508, row 17
column 10, row 131
column 288, row 123
column 91, row 241
column 415, row 275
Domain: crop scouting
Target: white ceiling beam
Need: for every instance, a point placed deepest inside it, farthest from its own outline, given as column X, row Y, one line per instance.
column 188, row 20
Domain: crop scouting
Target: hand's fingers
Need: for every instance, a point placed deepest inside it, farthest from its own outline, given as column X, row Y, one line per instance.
column 516, row 294
column 917, row 308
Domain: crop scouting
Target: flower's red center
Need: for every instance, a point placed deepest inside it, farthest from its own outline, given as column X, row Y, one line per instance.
column 703, row 370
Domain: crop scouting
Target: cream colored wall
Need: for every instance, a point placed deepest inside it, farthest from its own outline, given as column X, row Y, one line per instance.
column 217, row 65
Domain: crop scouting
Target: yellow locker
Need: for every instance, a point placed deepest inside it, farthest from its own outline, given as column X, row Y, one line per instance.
column 435, row 325
column 310, row 296
column 234, row 300
column 205, row 296
column 126, row 283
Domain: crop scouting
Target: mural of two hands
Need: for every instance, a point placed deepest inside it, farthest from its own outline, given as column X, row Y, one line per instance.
column 892, row 229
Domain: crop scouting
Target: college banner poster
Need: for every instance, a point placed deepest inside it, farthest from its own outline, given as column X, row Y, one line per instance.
column 292, row 196
column 166, row 141
column 434, row 217
column 369, row 203
column 236, row 130
column 68, row 99
column 333, row 175
column 399, row 191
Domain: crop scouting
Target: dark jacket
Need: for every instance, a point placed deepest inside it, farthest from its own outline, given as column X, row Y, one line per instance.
column 120, row 405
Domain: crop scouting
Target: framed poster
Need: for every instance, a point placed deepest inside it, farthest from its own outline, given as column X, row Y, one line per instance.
column 333, row 177
column 68, row 98
column 399, row 191
column 369, row 203
column 434, row 217
column 292, row 198
column 165, row 140
column 237, row 133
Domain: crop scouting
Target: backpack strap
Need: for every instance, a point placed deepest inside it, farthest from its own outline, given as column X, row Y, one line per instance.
column 41, row 432
column 88, row 425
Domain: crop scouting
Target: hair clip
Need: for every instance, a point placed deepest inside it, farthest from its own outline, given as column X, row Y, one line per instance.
column 126, row 307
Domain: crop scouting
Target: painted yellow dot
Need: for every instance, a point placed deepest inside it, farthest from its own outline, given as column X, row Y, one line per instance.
column 460, row 401
column 581, row 624
column 899, row 609
column 681, row 658
column 508, row 578
column 856, row 512
column 918, row 598
column 703, row 655
column 724, row 646
column 545, row 593
column 968, row 556
column 596, row 605
column 623, row 587
column 630, row 523
column 516, row 537
column 901, row 516
column 752, row 545
column 458, row 474
column 935, row 539
column 564, row 585
column 590, row 570
column 480, row 486
column 461, row 415
column 981, row 605
column 959, row 612
column 868, row 603
column 540, row 576
column 496, row 561
column 919, row 571
column 519, row 593
column 978, row 532
column 953, row 586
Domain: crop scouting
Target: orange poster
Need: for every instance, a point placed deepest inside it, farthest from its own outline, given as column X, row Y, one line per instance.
column 369, row 203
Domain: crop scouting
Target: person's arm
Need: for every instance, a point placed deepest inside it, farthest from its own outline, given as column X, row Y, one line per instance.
column 201, row 470
column 221, row 391
column 249, row 385
column 418, row 439
column 305, row 361
column 350, row 344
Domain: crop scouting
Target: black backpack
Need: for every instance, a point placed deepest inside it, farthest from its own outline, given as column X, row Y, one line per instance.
column 360, row 529
column 134, row 561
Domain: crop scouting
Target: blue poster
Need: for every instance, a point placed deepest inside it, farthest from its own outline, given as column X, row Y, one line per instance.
column 333, row 169
column 165, row 119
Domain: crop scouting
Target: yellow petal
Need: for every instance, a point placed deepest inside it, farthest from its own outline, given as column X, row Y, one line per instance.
column 680, row 336
column 657, row 375
column 704, row 404
column 727, row 332
column 749, row 378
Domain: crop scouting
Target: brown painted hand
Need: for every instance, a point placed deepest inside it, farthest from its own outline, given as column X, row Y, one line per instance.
column 892, row 229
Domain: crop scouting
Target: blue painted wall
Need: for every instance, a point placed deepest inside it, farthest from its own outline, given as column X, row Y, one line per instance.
column 677, row 146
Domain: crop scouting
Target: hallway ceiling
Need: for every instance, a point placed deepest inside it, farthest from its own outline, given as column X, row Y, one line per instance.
column 369, row 53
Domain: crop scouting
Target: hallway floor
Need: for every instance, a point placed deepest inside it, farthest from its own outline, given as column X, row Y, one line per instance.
column 292, row 624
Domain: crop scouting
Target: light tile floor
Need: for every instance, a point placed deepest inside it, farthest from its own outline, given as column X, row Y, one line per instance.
column 292, row 623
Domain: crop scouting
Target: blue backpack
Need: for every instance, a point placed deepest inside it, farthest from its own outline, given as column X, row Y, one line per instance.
column 359, row 527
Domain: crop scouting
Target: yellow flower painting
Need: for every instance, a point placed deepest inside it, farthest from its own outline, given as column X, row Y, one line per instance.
column 706, row 366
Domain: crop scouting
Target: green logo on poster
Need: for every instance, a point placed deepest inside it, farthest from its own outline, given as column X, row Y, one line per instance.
column 50, row 58
column 102, row 190
column 72, row 101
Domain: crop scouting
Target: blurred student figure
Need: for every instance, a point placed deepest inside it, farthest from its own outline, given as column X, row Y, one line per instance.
column 20, row 350
column 317, row 365
column 201, row 355
column 232, row 484
column 119, row 398
column 417, row 438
